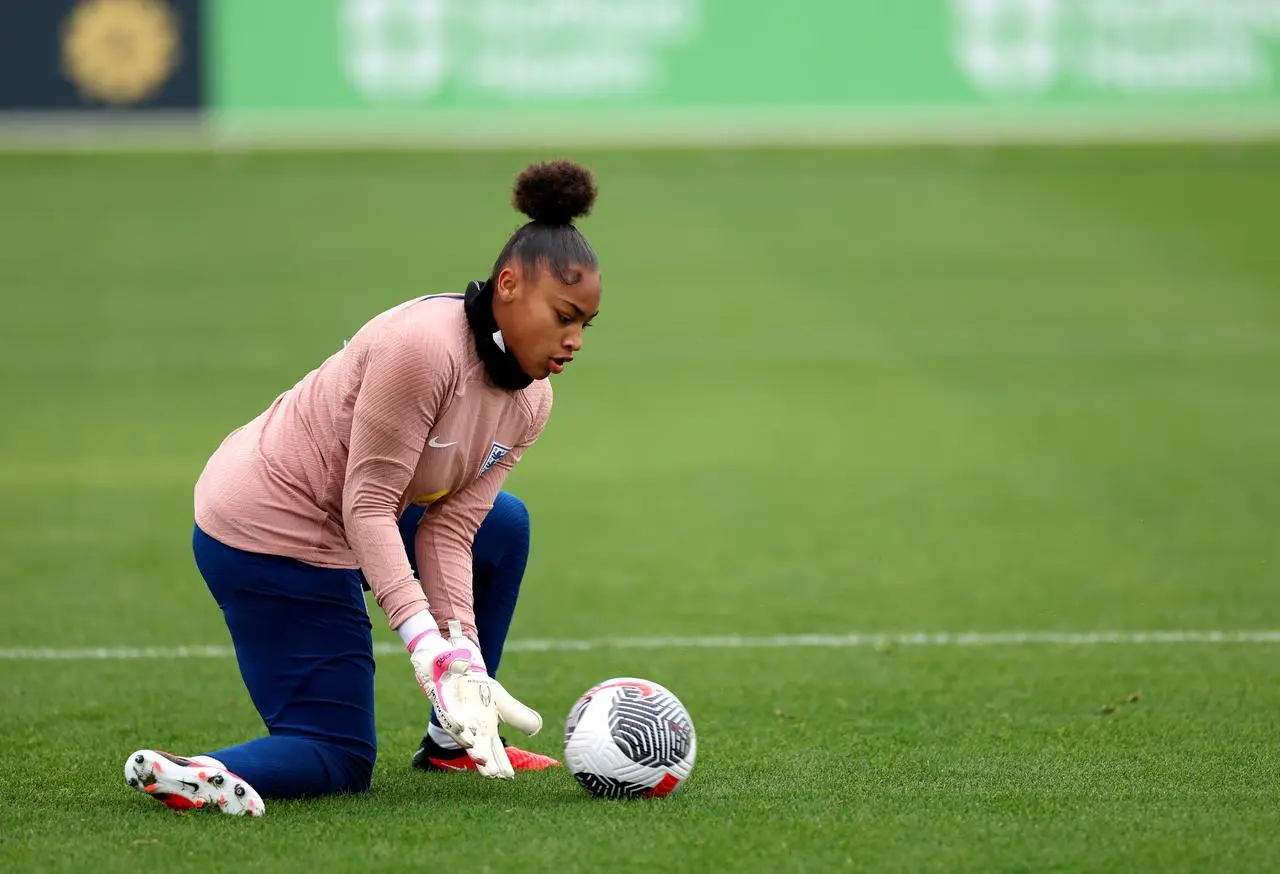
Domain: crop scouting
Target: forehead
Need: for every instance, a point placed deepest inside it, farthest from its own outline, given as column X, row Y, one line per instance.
column 585, row 292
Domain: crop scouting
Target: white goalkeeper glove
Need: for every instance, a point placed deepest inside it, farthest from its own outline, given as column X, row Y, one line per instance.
column 468, row 703
column 487, row 704
column 441, row 666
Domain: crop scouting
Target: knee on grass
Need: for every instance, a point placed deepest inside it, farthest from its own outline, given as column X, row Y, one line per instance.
column 348, row 772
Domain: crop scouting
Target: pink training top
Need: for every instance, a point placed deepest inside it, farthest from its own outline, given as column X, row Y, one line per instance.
column 404, row 413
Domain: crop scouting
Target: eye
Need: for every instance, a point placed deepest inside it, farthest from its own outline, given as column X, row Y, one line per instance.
column 564, row 320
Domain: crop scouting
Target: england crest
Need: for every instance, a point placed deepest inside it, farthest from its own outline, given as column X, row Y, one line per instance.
column 495, row 455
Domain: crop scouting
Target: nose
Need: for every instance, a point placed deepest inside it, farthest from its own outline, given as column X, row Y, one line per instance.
column 573, row 339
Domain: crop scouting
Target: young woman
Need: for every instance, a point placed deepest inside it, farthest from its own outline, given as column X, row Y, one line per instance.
column 383, row 469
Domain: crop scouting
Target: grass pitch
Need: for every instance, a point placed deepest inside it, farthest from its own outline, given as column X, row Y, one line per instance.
column 898, row 391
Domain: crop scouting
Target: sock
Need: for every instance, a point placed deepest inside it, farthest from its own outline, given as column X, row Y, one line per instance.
column 441, row 737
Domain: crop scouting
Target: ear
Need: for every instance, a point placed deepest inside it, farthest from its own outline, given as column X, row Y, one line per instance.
column 508, row 285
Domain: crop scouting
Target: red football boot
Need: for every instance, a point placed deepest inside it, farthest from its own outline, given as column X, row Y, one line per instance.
column 430, row 756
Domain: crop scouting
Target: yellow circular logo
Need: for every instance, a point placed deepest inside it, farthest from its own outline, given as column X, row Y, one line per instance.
column 120, row 51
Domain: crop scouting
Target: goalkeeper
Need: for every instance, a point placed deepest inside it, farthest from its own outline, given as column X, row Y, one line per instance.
column 383, row 469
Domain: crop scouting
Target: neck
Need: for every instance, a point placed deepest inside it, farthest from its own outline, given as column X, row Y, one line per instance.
column 499, row 363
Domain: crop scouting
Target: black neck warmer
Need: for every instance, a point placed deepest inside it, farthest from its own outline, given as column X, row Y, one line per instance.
column 498, row 362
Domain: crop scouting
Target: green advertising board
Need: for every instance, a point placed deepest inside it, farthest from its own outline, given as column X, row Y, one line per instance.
column 644, row 67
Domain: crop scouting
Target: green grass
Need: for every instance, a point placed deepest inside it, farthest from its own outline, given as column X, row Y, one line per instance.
column 828, row 392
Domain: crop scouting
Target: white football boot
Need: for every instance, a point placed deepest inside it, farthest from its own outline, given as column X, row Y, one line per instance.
column 191, row 784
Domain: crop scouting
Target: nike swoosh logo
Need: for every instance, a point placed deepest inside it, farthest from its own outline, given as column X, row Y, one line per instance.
column 435, row 443
column 195, row 787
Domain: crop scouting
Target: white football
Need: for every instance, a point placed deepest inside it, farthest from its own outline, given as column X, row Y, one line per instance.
column 629, row 738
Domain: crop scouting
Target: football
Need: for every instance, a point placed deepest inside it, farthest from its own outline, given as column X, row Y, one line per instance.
column 629, row 738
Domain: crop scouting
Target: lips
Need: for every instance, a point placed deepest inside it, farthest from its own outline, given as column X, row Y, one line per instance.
column 558, row 363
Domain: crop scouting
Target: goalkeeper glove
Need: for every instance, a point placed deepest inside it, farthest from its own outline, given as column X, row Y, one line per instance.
column 487, row 704
column 440, row 667
column 468, row 703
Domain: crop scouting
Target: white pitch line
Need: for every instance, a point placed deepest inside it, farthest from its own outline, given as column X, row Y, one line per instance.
column 781, row 641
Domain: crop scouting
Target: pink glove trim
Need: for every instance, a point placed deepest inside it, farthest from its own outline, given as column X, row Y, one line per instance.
column 413, row 644
column 440, row 666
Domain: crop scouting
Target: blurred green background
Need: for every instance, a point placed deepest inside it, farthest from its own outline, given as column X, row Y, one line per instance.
column 953, row 376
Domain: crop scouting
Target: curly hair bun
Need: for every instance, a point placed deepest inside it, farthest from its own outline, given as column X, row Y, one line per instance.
column 555, row 192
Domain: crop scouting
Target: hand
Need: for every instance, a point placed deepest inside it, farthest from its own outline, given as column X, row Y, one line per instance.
column 442, row 668
column 483, row 705
column 487, row 704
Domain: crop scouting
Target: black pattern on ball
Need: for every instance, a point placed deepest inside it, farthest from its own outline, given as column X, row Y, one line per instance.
column 608, row 787
column 575, row 716
column 650, row 730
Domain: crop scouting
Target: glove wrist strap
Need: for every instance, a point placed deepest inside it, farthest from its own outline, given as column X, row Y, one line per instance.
column 416, row 628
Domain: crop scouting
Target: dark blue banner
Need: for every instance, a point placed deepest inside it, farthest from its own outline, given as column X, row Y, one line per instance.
column 100, row 54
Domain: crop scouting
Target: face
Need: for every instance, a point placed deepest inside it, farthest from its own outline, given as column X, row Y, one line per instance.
column 542, row 318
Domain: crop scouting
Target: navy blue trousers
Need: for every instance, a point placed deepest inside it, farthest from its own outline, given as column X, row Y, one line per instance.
column 303, row 641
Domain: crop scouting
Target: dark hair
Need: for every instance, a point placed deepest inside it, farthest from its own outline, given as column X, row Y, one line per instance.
column 552, row 194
